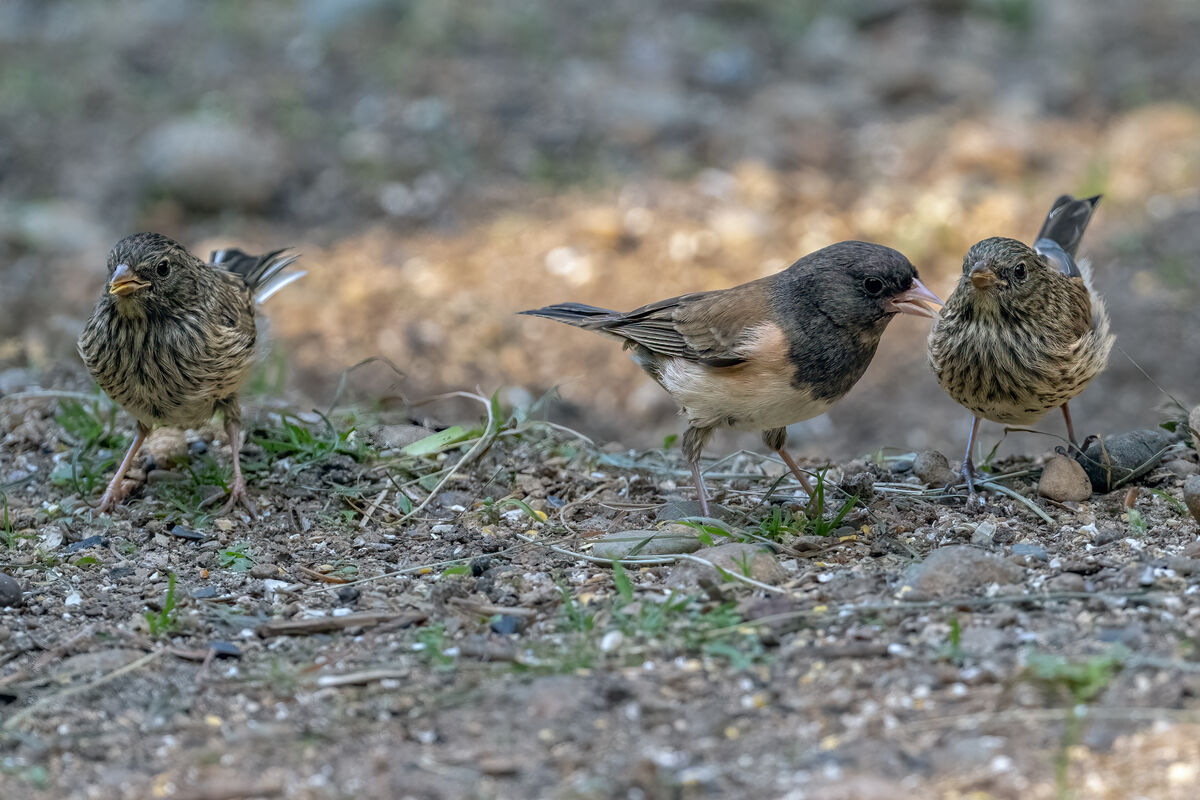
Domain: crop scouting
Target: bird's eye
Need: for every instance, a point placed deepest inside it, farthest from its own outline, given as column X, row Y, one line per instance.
column 1019, row 272
column 873, row 286
column 164, row 268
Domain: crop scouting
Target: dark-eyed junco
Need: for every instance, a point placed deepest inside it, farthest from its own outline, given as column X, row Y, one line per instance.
column 172, row 339
column 1023, row 331
column 768, row 353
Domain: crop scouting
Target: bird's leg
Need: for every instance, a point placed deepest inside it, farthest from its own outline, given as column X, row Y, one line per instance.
column 1070, row 426
column 968, row 467
column 116, row 487
column 776, row 439
column 694, row 440
column 237, row 489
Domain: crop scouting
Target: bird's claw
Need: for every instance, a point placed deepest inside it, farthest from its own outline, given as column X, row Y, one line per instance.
column 239, row 496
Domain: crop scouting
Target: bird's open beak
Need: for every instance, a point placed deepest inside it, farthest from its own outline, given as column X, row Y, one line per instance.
column 983, row 278
column 912, row 301
column 125, row 282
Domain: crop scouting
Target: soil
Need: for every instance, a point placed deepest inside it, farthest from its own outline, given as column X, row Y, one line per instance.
column 332, row 647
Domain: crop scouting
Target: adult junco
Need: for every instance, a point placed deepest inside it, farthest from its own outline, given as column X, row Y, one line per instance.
column 173, row 339
column 1023, row 331
column 768, row 353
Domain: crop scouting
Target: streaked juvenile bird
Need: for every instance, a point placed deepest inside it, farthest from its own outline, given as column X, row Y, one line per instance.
column 1023, row 332
column 173, row 339
column 769, row 353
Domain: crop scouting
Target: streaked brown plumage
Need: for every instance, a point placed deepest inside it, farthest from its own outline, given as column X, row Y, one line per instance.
column 1023, row 332
column 173, row 339
column 768, row 353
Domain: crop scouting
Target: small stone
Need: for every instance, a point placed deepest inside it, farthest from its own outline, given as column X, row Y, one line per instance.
column 1066, row 582
column 749, row 560
column 1182, row 467
column 933, row 469
column 348, row 595
column 507, row 624
column 10, row 591
column 396, row 437
column 1191, row 495
column 611, row 641
column 1192, row 550
column 984, row 534
column 166, row 448
column 860, row 485
column 157, row 477
column 1063, row 480
column 683, row 509
column 960, row 569
column 84, row 544
column 264, row 571
column 1030, row 550
column 1115, row 461
column 634, row 543
column 223, row 649
column 1194, row 424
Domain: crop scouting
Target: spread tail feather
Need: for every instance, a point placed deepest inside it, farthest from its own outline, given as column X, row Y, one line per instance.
column 263, row 274
column 1062, row 231
column 577, row 314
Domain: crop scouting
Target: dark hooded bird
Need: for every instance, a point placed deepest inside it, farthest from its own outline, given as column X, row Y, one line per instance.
column 769, row 353
column 1023, row 332
column 173, row 339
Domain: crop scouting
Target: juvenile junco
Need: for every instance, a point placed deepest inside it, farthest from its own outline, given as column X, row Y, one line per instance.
column 768, row 353
column 172, row 339
column 1023, row 331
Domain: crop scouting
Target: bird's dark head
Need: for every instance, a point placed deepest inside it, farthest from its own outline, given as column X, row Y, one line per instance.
column 863, row 285
column 1003, row 270
column 148, row 269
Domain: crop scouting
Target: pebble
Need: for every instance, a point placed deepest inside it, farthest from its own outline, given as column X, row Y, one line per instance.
column 1063, row 480
column 1182, row 467
column 396, row 437
column 84, row 544
column 1116, row 460
column 10, row 591
column 682, row 509
column 263, row 570
column 1066, row 582
column 984, row 534
column 1029, row 550
column 960, row 569
column 166, row 447
column 1191, row 495
column 224, row 649
column 620, row 544
column 1192, row 550
column 933, row 469
column 735, row 557
column 507, row 624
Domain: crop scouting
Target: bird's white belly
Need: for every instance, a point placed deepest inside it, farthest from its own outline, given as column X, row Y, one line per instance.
column 741, row 397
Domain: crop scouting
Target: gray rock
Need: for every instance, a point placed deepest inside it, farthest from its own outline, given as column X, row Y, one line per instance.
column 676, row 508
column 263, row 571
column 10, row 591
column 210, row 163
column 1029, row 550
column 750, row 560
column 1192, row 550
column 1182, row 467
column 1063, row 480
column 1066, row 582
column 621, row 544
column 1194, row 424
column 1191, row 495
column 959, row 569
column 1115, row 461
column 933, row 469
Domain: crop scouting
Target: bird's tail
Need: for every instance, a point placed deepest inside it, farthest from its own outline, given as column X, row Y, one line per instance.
column 576, row 314
column 1063, row 229
column 263, row 274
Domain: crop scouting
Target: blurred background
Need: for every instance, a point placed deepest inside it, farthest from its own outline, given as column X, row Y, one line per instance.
column 441, row 165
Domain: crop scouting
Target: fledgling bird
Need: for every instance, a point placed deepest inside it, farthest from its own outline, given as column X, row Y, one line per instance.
column 173, row 339
column 1023, row 332
column 769, row 353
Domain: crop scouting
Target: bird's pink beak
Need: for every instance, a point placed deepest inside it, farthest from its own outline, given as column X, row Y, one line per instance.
column 912, row 301
column 125, row 281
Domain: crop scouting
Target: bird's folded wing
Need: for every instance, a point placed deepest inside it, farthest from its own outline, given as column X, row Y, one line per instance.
column 709, row 327
column 1080, row 313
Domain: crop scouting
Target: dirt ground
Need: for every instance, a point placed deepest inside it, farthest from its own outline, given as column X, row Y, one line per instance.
column 420, row 617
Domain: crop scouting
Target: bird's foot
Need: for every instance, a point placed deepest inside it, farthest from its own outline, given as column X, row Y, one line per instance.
column 237, row 496
column 118, row 489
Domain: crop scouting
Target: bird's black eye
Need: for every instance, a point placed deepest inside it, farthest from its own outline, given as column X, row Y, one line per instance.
column 164, row 268
column 873, row 286
column 1019, row 272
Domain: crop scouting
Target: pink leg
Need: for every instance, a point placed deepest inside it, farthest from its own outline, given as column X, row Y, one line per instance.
column 701, row 492
column 115, row 492
column 795, row 468
column 1070, row 427
column 237, row 491
column 968, row 468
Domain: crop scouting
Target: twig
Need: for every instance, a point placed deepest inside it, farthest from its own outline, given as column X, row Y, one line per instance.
column 359, row 678
column 1018, row 496
column 303, row 627
column 379, row 498
column 482, row 444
